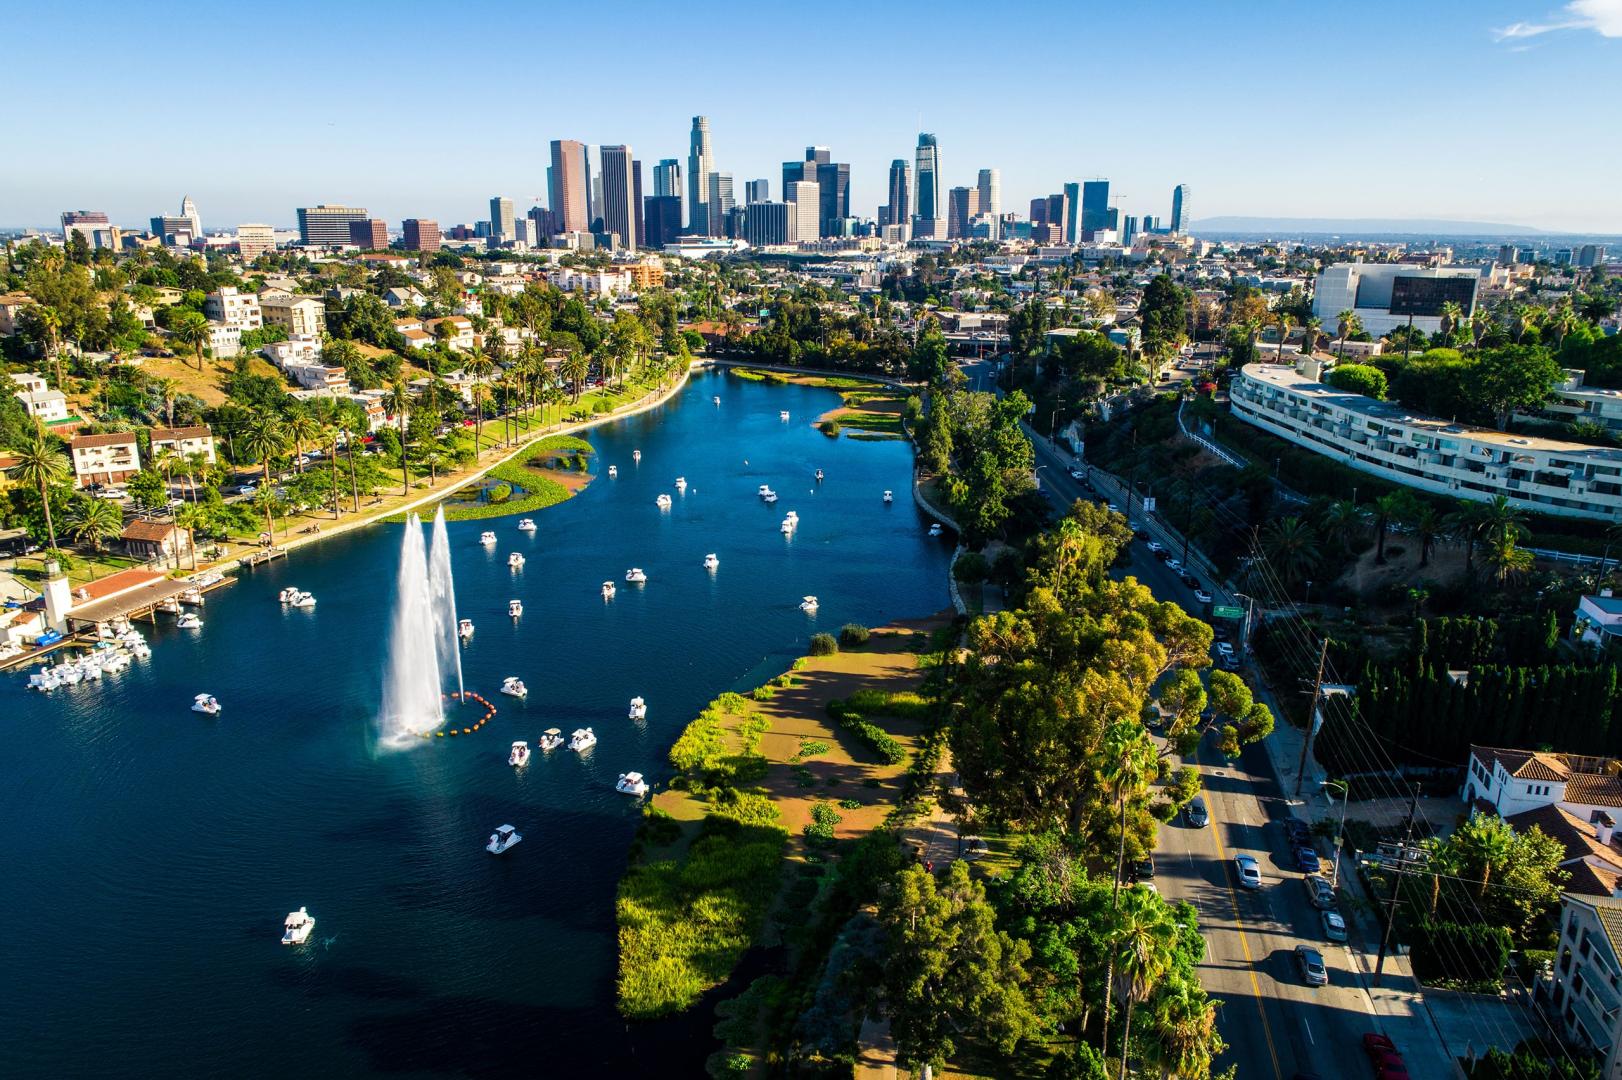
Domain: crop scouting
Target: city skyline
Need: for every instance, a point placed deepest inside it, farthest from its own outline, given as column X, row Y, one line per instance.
column 1181, row 110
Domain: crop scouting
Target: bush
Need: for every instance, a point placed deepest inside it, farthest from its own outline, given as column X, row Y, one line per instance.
column 763, row 693
column 849, row 804
column 876, row 738
column 812, row 747
column 824, row 819
column 823, row 645
column 1359, row 379
column 659, row 828
column 853, row 634
column 501, row 493
column 829, row 428
column 1473, row 953
column 600, row 406
column 971, row 567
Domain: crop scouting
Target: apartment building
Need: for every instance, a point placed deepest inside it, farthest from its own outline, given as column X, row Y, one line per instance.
column 300, row 316
column 105, row 459
column 1571, row 401
column 227, row 305
column 224, row 340
column 1384, row 439
column 49, row 406
column 1585, row 997
column 183, row 441
column 11, row 306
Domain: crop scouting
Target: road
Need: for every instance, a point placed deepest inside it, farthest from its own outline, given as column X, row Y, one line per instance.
column 1275, row 1025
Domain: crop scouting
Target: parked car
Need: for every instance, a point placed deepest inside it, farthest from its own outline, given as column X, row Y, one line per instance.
column 1198, row 815
column 1077, row 474
column 1163, row 555
column 1374, row 1043
column 1311, row 963
column 1250, row 875
column 1190, row 580
column 1201, row 596
column 1112, row 508
column 1225, row 648
column 1334, row 926
column 1320, row 892
column 1144, row 868
column 1306, row 859
column 110, row 493
column 1174, row 565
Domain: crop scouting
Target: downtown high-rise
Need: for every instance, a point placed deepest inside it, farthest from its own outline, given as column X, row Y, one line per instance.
column 990, row 187
column 1179, row 209
column 928, row 209
column 568, row 184
column 897, row 210
column 700, row 163
column 619, row 208
column 503, row 228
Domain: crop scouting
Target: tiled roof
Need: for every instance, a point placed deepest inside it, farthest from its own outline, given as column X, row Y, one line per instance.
column 1594, row 789
column 1589, row 880
column 1521, row 764
column 115, row 583
column 115, row 438
column 197, row 431
column 154, row 531
column 1572, row 831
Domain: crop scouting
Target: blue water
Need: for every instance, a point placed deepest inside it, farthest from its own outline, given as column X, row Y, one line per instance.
column 148, row 854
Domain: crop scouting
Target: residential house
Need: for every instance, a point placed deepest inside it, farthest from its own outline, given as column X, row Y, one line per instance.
column 298, row 315
column 1585, row 997
column 1511, row 782
column 460, row 335
column 183, row 441
column 1598, row 621
column 317, row 376
column 50, row 406
column 11, row 306
column 298, row 350
column 155, row 540
column 227, row 305
column 404, row 296
column 105, row 459
column 224, row 340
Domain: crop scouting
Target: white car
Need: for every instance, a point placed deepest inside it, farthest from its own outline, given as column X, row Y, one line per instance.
column 1225, row 648
column 1202, row 596
column 1156, row 545
column 1250, row 874
column 1174, row 565
column 1113, row 508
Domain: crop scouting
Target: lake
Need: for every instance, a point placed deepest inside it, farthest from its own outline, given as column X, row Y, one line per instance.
column 150, row 853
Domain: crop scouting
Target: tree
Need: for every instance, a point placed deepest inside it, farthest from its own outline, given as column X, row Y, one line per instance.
column 191, row 330
column 1292, row 548
column 167, row 390
column 148, row 491
column 93, row 521
column 1358, row 379
column 1506, row 557
column 1513, row 377
column 1164, row 311
column 1282, row 318
column 1185, row 1034
column 40, row 461
column 267, row 502
column 192, row 518
column 949, row 969
column 1348, row 324
column 1390, row 507
column 1427, row 525
column 399, row 401
column 263, row 439
column 1484, row 852
column 1142, row 953
column 300, row 428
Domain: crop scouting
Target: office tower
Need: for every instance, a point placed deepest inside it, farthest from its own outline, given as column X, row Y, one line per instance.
column 619, row 194
column 567, row 184
column 833, row 186
column 795, row 171
column 540, row 225
column 188, row 210
column 1039, row 210
column 1059, row 213
column 757, row 191
column 821, row 155
column 1072, row 220
column 371, row 234
column 667, row 178
column 1179, row 209
column 990, row 185
column 767, row 222
column 1129, row 230
column 897, row 211
column 700, row 163
column 661, row 216
column 501, row 220
column 1095, row 210
column 718, row 202
column 927, row 206
column 963, row 206
column 636, row 202
column 254, row 240
column 1591, row 255
column 327, row 225
column 419, row 234
column 807, row 200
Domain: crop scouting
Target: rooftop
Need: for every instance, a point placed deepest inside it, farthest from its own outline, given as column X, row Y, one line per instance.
column 112, row 438
column 1286, row 377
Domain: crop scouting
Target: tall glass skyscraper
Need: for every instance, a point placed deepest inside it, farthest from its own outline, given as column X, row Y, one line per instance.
column 898, row 210
column 929, row 212
column 1095, row 211
column 700, row 164
column 1179, row 209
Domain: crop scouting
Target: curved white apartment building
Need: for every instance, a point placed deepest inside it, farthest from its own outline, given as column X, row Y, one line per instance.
column 1380, row 437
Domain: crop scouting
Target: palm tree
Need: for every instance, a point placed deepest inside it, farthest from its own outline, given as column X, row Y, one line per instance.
column 574, row 368
column 41, row 462
column 1468, row 521
column 1348, row 324
column 267, row 501
column 433, row 459
column 1507, row 557
column 48, row 321
column 164, row 462
column 191, row 330
column 196, row 465
column 1526, row 317
column 264, row 438
column 168, row 390
column 1481, row 324
column 1313, row 327
column 399, row 401
column 1185, row 1029
column 192, row 518
column 481, row 394
column 1340, row 521
column 1388, row 508
column 1427, row 525
column 1482, row 843
column 1292, row 547
column 1452, row 316
column 1284, row 323
column 349, row 452
column 301, row 428
column 1142, row 952
column 92, row 521
column 1503, row 520
column 1561, row 319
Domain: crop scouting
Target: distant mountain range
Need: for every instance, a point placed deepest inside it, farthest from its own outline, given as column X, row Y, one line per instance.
column 1362, row 226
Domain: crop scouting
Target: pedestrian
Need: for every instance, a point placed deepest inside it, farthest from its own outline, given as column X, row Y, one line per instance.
column 929, row 865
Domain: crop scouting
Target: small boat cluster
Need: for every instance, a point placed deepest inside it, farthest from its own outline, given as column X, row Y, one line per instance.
column 104, row 658
column 790, row 523
column 294, row 597
column 515, row 561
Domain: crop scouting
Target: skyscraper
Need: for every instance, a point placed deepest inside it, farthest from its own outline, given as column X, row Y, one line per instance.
column 667, row 178
column 1179, row 209
column 420, row 234
column 326, row 225
column 1095, row 211
column 833, row 186
column 795, row 171
column 567, row 184
column 188, row 210
column 807, row 200
column 718, row 202
column 502, row 228
column 757, row 191
column 636, row 203
column 767, row 222
column 1071, row 220
column 661, row 215
column 1129, row 230
column 700, row 164
column 963, row 206
column 990, row 185
column 619, row 194
column 929, row 208
column 819, row 154
column 897, row 210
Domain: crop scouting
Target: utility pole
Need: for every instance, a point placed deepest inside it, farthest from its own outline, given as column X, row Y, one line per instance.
column 1312, row 718
column 1396, row 887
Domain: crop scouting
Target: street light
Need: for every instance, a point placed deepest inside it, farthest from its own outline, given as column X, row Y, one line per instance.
column 1340, row 834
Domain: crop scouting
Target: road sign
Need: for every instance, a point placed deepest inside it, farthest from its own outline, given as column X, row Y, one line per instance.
column 1222, row 611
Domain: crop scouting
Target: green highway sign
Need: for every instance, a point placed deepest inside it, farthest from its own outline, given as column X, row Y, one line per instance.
column 1221, row 611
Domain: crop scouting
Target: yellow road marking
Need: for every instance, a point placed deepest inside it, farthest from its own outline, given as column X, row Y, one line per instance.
column 1244, row 943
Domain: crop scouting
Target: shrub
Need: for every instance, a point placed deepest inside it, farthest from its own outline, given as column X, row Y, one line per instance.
column 811, row 748
column 763, row 693
column 971, row 568
column 823, row 645
column 1359, row 379
column 824, row 818
column 799, row 663
column 830, row 428
column 849, row 804
column 500, row 493
column 659, row 828
column 601, row 405
column 853, row 634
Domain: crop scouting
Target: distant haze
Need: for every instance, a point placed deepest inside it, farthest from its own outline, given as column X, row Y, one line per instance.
column 1362, row 226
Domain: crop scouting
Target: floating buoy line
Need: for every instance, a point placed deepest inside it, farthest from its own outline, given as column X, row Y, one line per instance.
column 464, row 697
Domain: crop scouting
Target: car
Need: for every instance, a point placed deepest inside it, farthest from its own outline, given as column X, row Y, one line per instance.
column 1201, row 596
column 247, row 489
column 1156, row 546
column 1198, row 815
column 1163, row 555
column 110, row 493
column 1190, row 580
column 1144, row 868
column 1375, row 1043
column 1112, row 508
column 1147, row 886
column 1320, row 892
column 1306, row 859
column 1311, row 963
column 1225, row 648
column 1077, row 474
column 1334, row 926
column 1250, row 874
column 1388, row 1064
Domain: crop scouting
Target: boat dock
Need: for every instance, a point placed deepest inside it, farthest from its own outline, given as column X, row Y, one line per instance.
column 248, row 562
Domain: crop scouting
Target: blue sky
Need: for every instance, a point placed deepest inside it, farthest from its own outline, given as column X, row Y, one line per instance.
column 1498, row 110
